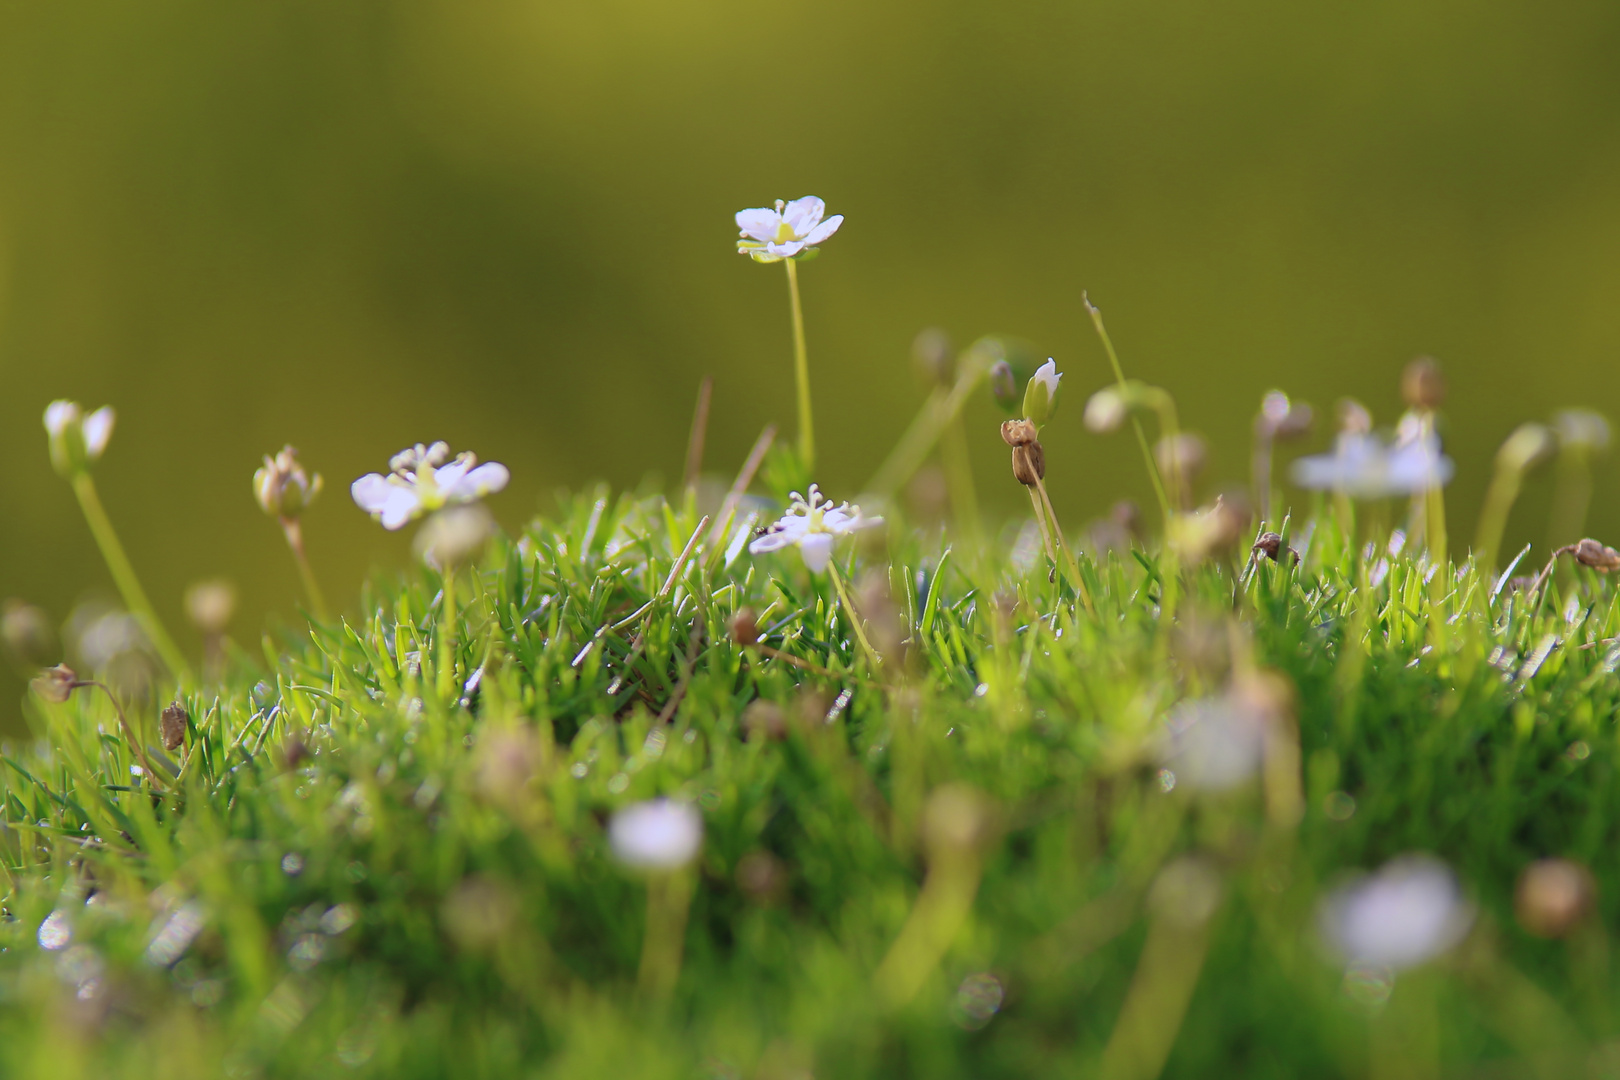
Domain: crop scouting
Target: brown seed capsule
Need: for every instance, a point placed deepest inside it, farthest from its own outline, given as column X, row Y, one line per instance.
column 1017, row 433
column 745, row 627
column 173, row 726
column 55, row 684
column 1422, row 385
column 1553, row 895
column 1029, row 464
column 1598, row 556
column 1270, row 545
column 764, row 720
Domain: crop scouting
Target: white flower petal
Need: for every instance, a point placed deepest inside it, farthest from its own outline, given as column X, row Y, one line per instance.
column 370, row 492
column 760, row 223
column 817, row 549
column 658, row 835
column 487, row 479
column 824, row 230
column 59, row 415
column 803, row 215
column 404, row 504
column 98, row 427
column 785, row 251
column 447, row 477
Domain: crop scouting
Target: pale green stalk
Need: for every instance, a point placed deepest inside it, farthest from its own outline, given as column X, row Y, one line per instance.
column 1141, row 436
column 447, row 637
column 953, row 455
column 1070, row 565
column 801, row 371
column 854, row 616
column 294, row 532
column 123, row 574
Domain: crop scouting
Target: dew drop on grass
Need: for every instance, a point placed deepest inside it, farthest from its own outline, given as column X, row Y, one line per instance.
column 579, row 770
column 55, row 932
column 977, row 999
column 292, row 864
column 1167, row 780
column 617, row 783
column 981, row 690
column 1338, row 806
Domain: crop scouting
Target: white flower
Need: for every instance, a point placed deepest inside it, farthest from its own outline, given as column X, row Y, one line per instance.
column 1366, row 467
column 656, row 835
column 421, row 483
column 1214, row 744
column 792, row 228
column 1040, row 395
column 812, row 525
column 1409, row 911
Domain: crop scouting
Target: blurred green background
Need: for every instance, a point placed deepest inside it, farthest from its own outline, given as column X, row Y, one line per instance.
column 351, row 226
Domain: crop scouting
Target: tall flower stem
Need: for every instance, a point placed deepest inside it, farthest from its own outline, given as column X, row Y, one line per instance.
column 854, row 616
column 123, row 573
column 1070, row 565
column 294, row 532
column 953, row 454
column 1141, row 435
column 801, row 370
column 669, row 899
column 446, row 682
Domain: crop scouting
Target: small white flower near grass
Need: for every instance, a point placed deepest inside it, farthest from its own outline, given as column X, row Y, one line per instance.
column 1410, row 911
column 812, row 525
column 657, row 835
column 1364, row 466
column 790, row 230
column 423, row 479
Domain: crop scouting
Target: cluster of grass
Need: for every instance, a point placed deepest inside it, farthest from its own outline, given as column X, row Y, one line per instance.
column 386, row 852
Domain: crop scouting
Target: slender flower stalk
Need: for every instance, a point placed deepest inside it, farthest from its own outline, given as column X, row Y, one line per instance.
column 76, row 442
column 283, row 490
column 1527, row 447
column 788, row 233
column 1119, row 379
column 56, row 685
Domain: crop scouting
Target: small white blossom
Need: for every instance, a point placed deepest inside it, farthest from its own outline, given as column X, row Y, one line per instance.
column 76, row 439
column 1214, row 744
column 422, row 482
column 1408, row 912
column 788, row 231
column 812, row 525
column 1041, row 392
column 1366, row 467
column 657, row 835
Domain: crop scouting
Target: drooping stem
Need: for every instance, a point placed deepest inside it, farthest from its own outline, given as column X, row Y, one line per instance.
column 123, row 574
column 1499, row 500
column 801, row 371
column 129, row 731
column 1141, row 435
column 294, row 531
column 854, row 616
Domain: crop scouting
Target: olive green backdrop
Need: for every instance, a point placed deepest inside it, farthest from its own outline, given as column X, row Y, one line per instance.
column 356, row 225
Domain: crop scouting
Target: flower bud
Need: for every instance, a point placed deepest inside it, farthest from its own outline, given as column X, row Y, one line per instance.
column 1040, row 393
column 453, row 534
column 745, row 627
column 1528, row 446
column 76, row 440
column 1553, row 895
column 1029, row 464
column 1582, row 429
column 1422, row 385
column 55, row 684
column 1017, row 432
column 1004, row 385
column 26, row 632
column 1106, row 411
column 172, row 724
column 1270, row 545
column 1281, row 419
column 210, row 605
column 282, row 487
column 1598, row 556
column 931, row 353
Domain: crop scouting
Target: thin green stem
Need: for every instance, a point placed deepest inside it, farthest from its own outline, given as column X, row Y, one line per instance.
column 129, row 731
column 854, row 616
column 953, row 454
column 1070, row 564
column 294, row 532
column 446, row 682
column 1141, row 435
column 801, row 371
column 123, row 573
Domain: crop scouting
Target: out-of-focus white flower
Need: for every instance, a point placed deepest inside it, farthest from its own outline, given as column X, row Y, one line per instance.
column 452, row 534
column 1214, row 744
column 660, row 834
column 786, row 232
column 421, row 482
column 1408, row 912
column 1040, row 394
column 812, row 525
column 76, row 440
column 1366, row 467
column 282, row 487
column 1582, row 429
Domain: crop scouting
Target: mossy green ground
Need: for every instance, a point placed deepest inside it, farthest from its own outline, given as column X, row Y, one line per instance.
column 943, row 867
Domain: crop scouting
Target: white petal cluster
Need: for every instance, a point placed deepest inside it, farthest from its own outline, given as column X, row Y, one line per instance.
column 1365, row 466
column 812, row 525
column 660, row 834
column 423, row 479
column 1411, row 910
column 787, row 231
column 77, row 439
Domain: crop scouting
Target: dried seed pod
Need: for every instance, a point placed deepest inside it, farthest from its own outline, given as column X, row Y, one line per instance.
column 1422, row 385
column 1270, row 545
column 1598, row 556
column 1029, row 464
column 1017, row 433
column 172, row 724
column 56, row 684
column 745, row 627
column 1553, row 895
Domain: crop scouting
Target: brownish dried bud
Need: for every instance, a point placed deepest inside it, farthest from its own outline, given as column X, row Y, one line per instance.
column 1270, row 545
column 1422, row 385
column 1016, row 433
column 172, row 724
column 761, row 876
column 1553, row 896
column 56, row 684
column 764, row 720
column 745, row 627
column 1029, row 464
column 1598, row 556
column 294, row 752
